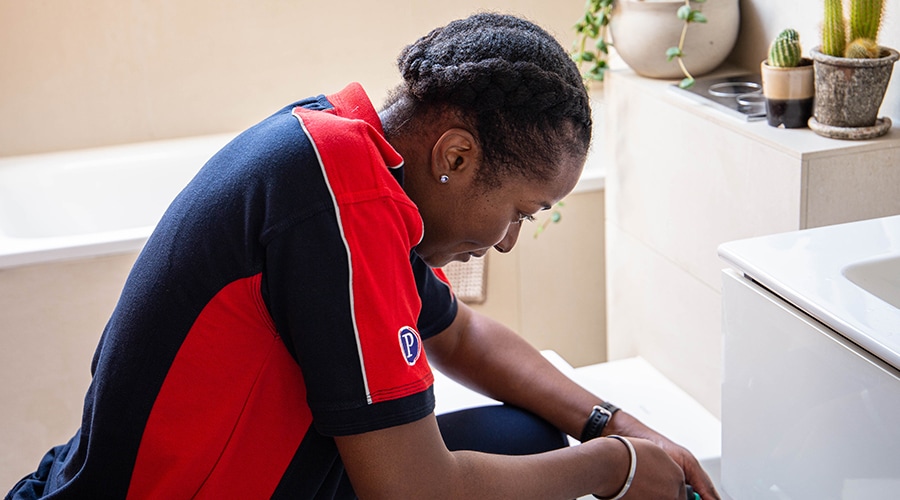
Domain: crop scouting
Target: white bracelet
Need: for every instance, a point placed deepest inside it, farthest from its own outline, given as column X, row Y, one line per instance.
column 631, row 469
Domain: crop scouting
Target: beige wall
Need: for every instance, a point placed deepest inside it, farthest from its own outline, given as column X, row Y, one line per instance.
column 551, row 289
column 84, row 73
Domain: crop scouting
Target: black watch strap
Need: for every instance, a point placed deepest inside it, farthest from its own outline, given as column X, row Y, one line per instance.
column 600, row 416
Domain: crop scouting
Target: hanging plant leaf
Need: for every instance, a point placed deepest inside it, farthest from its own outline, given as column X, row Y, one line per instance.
column 673, row 52
column 686, row 83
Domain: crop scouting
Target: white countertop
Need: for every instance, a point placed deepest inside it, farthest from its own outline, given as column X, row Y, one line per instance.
column 801, row 143
column 806, row 268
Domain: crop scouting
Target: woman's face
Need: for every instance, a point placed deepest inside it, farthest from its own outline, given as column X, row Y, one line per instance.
column 470, row 220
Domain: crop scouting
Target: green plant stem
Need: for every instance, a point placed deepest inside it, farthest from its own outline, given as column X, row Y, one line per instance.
column 688, row 15
column 687, row 74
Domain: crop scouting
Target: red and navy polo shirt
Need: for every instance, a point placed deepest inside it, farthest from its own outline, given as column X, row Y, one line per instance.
column 278, row 303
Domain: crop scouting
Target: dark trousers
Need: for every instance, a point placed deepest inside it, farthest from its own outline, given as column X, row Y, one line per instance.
column 500, row 429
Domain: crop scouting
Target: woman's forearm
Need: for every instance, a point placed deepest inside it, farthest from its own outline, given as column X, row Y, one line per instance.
column 489, row 357
column 410, row 461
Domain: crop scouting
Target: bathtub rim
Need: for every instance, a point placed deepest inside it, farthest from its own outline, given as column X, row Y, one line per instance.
column 17, row 252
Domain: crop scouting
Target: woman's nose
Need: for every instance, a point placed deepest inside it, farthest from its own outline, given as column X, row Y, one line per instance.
column 509, row 241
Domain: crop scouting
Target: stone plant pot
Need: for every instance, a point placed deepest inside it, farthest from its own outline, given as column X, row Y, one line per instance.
column 789, row 93
column 642, row 31
column 849, row 93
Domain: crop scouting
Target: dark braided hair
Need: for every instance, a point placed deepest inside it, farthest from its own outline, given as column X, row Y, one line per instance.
column 509, row 80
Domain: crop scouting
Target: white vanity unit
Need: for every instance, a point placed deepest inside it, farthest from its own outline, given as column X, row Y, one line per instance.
column 683, row 178
column 811, row 370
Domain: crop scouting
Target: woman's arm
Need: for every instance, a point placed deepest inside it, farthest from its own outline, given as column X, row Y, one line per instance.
column 411, row 461
column 490, row 358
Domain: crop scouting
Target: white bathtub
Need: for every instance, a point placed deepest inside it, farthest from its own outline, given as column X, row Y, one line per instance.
column 95, row 201
column 103, row 201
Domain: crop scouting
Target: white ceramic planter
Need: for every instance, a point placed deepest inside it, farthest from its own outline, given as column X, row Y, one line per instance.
column 642, row 31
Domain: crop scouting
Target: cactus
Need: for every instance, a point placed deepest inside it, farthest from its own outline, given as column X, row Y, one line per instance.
column 865, row 22
column 834, row 37
column 785, row 50
column 863, row 48
column 865, row 19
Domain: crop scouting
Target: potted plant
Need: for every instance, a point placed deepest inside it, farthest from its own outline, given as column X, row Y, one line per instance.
column 788, row 82
column 652, row 37
column 852, row 73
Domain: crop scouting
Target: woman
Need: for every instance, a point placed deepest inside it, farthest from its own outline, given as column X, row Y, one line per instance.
column 275, row 335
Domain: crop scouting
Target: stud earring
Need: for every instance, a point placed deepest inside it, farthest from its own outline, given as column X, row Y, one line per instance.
column 444, row 179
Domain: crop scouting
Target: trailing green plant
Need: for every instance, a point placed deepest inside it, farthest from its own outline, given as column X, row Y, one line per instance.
column 785, row 51
column 593, row 28
column 592, row 41
column 688, row 15
column 864, row 25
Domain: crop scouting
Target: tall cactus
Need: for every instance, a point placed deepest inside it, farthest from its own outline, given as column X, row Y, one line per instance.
column 785, row 50
column 865, row 22
column 834, row 37
column 865, row 18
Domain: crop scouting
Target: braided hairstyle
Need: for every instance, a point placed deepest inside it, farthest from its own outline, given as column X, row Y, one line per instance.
column 511, row 82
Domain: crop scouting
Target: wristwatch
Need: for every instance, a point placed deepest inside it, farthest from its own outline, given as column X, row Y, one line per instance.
column 600, row 416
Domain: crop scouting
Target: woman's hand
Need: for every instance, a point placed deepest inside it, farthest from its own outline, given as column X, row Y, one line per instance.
column 656, row 475
column 694, row 475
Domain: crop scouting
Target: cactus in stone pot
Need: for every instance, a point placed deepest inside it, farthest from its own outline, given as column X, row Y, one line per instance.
column 851, row 78
column 865, row 22
column 865, row 19
column 834, row 35
column 785, row 50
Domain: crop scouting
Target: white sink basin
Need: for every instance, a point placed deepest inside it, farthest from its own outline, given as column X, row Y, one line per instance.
column 847, row 276
column 879, row 276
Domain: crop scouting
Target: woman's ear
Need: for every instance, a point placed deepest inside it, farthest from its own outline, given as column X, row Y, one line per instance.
column 456, row 155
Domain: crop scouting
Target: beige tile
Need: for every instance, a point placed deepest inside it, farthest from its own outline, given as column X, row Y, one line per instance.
column 852, row 187
column 563, row 283
column 52, row 316
column 667, row 316
column 678, row 187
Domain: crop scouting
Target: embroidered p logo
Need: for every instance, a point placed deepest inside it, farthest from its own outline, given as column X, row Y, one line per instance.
column 410, row 344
